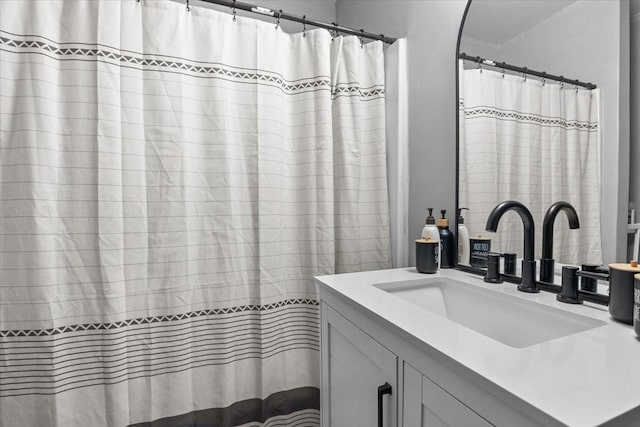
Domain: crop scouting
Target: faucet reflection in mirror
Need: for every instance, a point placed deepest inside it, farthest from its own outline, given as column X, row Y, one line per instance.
column 532, row 141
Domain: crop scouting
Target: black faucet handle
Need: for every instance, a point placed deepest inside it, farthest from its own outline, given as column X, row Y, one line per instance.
column 589, row 284
column 569, row 291
column 493, row 268
column 510, row 259
column 528, row 283
column 547, row 270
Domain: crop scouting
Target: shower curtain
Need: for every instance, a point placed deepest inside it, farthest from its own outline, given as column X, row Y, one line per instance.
column 170, row 183
column 534, row 142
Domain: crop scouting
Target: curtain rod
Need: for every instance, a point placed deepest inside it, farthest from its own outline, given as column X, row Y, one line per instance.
column 279, row 14
column 525, row 70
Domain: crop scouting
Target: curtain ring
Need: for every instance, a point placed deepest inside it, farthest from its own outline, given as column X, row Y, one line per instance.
column 361, row 37
column 544, row 81
column 334, row 32
column 479, row 64
column 278, row 20
column 503, row 73
column 562, row 86
column 234, row 12
column 304, row 25
column 188, row 6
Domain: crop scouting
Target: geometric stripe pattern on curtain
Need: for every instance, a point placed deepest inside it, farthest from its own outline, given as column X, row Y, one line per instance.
column 170, row 183
column 537, row 143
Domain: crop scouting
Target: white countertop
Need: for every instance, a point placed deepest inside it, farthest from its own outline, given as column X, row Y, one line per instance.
column 584, row 379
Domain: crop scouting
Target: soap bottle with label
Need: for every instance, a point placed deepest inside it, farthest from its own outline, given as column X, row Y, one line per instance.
column 430, row 231
column 447, row 249
column 464, row 248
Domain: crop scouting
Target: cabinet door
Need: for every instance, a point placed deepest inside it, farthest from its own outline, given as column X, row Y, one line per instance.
column 427, row 405
column 354, row 365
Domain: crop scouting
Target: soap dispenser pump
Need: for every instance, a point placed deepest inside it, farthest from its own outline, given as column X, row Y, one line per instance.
column 447, row 251
column 430, row 230
column 464, row 247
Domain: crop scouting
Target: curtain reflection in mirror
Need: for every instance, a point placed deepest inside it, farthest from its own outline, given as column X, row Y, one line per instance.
column 535, row 142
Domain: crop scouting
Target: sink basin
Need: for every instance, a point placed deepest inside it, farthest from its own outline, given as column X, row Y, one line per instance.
column 513, row 321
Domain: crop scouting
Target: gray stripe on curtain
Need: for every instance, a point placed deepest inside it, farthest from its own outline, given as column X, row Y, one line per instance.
column 285, row 403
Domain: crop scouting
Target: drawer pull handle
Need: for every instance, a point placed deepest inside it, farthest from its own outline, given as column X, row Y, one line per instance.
column 382, row 390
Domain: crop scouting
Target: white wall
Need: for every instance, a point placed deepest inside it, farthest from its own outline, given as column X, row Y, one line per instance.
column 584, row 41
column 477, row 47
column 431, row 28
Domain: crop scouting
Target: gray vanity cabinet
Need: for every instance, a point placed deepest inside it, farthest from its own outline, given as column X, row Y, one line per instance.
column 444, row 374
column 361, row 351
column 354, row 365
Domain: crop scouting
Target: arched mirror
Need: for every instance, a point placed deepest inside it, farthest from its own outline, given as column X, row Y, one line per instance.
column 541, row 120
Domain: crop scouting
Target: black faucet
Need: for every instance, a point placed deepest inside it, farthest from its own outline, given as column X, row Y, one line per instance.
column 547, row 262
column 528, row 282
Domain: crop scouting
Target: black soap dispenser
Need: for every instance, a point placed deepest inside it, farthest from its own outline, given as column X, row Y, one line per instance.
column 447, row 251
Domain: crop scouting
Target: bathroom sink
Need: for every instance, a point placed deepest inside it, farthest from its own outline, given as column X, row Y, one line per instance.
column 508, row 319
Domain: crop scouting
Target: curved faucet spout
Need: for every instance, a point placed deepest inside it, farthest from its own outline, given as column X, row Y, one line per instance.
column 527, row 221
column 528, row 283
column 549, row 220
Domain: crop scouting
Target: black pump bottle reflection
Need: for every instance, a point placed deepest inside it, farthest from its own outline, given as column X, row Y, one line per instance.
column 447, row 251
